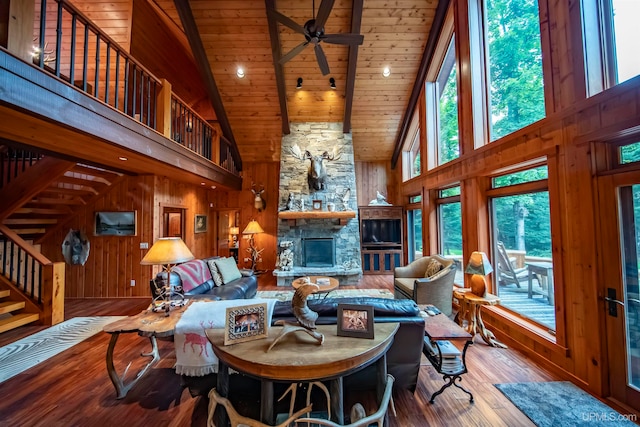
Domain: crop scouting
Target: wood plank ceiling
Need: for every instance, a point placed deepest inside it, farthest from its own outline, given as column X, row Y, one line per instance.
column 236, row 34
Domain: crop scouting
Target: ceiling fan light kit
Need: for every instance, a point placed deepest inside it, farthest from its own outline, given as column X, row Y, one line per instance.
column 313, row 31
column 299, row 84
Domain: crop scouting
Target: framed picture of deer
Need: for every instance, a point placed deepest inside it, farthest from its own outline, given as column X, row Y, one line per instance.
column 200, row 225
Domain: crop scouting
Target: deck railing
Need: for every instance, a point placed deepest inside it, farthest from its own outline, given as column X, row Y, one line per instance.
column 74, row 49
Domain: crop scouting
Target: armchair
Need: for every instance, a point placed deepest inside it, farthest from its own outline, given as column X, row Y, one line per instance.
column 409, row 282
column 508, row 274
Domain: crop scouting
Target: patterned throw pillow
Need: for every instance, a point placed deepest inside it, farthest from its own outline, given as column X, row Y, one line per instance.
column 432, row 268
column 215, row 274
column 440, row 273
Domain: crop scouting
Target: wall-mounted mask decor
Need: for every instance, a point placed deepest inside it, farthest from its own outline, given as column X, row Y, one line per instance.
column 75, row 248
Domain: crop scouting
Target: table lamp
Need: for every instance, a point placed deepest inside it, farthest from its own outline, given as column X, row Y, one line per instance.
column 234, row 231
column 253, row 228
column 167, row 251
column 479, row 266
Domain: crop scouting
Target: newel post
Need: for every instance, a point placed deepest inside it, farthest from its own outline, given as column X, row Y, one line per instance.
column 53, row 279
column 164, row 108
column 17, row 30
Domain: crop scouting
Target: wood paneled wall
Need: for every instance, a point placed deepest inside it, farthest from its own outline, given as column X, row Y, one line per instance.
column 372, row 177
column 115, row 260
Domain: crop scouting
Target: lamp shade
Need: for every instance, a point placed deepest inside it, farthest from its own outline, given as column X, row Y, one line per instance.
column 234, row 230
column 253, row 228
column 167, row 250
column 479, row 264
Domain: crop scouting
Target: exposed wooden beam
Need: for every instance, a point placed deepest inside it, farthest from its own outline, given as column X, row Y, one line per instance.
column 31, row 182
column 274, row 36
column 356, row 20
column 436, row 27
column 202, row 62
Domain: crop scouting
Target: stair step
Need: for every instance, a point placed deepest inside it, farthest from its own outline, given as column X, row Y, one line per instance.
column 5, row 293
column 10, row 306
column 17, row 320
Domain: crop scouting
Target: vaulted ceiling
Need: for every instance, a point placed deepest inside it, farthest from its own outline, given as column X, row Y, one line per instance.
column 236, row 34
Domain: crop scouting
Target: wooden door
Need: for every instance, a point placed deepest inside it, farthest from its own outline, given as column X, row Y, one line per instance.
column 226, row 220
column 619, row 247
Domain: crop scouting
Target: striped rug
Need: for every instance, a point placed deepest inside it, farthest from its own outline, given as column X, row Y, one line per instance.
column 21, row 355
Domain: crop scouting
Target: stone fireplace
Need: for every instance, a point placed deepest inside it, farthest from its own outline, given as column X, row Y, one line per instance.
column 325, row 242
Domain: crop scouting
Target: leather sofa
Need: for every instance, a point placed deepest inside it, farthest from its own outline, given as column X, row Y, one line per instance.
column 241, row 288
column 403, row 357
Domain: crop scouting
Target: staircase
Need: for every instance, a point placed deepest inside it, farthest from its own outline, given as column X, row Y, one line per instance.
column 39, row 195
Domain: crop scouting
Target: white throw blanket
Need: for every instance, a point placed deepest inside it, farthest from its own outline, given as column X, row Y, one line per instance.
column 194, row 354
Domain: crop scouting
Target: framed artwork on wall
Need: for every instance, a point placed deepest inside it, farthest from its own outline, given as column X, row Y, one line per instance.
column 200, row 225
column 115, row 223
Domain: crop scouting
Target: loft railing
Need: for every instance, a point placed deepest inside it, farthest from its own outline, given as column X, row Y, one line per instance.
column 37, row 278
column 74, row 49
column 13, row 162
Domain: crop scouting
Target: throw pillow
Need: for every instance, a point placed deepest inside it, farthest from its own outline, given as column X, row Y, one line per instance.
column 228, row 269
column 432, row 267
column 215, row 274
column 440, row 273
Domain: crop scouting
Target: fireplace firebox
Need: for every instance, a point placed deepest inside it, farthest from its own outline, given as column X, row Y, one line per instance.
column 318, row 252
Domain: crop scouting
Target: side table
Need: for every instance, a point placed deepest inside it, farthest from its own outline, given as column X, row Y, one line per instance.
column 470, row 307
column 146, row 324
column 445, row 358
column 322, row 289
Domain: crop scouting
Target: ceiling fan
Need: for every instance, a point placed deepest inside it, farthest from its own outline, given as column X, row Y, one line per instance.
column 313, row 31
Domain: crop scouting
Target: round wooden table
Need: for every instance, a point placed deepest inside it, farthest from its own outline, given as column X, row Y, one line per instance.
column 322, row 289
column 299, row 358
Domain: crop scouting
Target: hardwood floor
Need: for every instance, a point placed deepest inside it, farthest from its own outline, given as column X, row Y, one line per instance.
column 73, row 388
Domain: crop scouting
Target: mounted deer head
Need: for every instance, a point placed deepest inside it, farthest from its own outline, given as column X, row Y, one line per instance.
column 317, row 171
column 258, row 201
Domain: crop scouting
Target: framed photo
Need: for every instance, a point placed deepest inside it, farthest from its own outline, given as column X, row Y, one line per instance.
column 115, row 223
column 355, row 321
column 200, row 225
column 317, row 205
column 246, row 323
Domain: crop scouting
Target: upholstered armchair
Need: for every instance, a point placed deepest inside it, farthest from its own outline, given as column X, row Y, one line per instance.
column 409, row 282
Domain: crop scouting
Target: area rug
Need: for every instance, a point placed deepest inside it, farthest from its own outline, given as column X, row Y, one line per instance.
column 21, row 355
column 561, row 404
column 338, row 293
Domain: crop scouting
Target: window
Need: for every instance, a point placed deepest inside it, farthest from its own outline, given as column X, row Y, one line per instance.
column 447, row 92
column 516, row 86
column 411, row 161
column 414, row 228
column 415, row 156
column 626, row 32
column 450, row 227
column 521, row 235
column 629, row 153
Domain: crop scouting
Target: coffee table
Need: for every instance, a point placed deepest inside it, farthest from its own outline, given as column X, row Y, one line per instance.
column 299, row 358
column 323, row 289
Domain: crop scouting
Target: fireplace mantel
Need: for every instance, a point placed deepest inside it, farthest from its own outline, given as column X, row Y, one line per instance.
column 292, row 216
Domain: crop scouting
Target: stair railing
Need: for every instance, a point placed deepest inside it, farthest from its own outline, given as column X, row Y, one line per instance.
column 34, row 276
column 13, row 162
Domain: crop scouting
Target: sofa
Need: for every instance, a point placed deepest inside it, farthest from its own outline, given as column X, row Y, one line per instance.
column 403, row 357
column 427, row 280
column 199, row 281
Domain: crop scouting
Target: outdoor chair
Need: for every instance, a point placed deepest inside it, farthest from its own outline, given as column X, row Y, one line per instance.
column 508, row 274
column 413, row 282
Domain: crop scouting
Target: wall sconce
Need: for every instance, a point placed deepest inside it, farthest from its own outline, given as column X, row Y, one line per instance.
column 332, row 83
column 386, row 72
column 299, row 85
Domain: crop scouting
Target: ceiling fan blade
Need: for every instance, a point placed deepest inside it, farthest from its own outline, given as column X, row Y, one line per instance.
column 346, row 38
column 285, row 20
column 322, row 60
column 293, row 52
column 323, row 13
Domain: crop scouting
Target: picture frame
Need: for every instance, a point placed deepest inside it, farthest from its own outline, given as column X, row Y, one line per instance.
column 245, row 323
column 316, row 205
column 122, row 223
column 355, row 321
column 200, row 223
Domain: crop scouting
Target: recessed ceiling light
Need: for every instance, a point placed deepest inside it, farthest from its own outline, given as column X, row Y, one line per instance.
column 240, row 73
column 213, row 187
column 124, row 159
column 203, row 183
column 386, row 72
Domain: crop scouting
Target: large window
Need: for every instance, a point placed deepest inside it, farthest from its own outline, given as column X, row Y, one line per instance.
column 516, row 87
column 450, row 227
column 414, row 228
column 521, row 235
column 447, row 93
column 626, row 33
